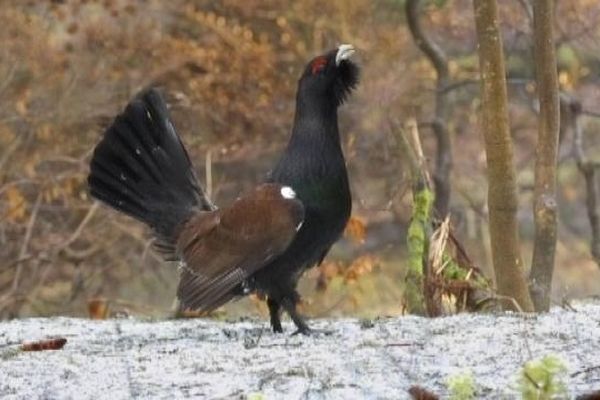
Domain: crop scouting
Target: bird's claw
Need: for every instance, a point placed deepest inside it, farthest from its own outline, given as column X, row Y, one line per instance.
column 303, row 331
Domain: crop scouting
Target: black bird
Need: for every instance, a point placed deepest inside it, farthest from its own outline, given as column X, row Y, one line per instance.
column 267, row 238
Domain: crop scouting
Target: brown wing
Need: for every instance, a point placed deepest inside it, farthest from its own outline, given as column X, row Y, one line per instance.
column 222, row 248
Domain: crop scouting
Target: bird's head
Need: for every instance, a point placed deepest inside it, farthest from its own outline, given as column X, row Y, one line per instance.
column 331, row 75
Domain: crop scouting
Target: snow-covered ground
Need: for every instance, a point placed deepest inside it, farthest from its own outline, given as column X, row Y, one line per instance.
column 381, row 359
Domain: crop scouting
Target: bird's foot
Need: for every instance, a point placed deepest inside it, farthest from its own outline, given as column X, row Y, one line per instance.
column 305, row 330
column 275, row 313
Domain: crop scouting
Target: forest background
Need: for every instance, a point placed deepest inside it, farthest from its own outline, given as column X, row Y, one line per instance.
column 229, row 71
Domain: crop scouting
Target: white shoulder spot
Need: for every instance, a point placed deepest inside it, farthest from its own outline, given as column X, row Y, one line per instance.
column 288, row 193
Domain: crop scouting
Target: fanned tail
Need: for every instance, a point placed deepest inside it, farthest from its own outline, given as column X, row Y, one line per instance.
column 142, row 169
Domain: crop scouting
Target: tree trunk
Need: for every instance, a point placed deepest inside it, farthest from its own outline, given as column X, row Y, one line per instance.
column 545, row 209
column 438, row 59
column 502, row 192
column 570, row 114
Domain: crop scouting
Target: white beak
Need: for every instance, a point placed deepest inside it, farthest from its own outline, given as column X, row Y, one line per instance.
column 344, row 52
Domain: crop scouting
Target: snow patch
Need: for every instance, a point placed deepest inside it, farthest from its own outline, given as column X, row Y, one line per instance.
column 381, row 359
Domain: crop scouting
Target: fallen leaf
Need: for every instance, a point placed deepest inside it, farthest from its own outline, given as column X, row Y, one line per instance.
column 98, row 308
column 17, row 204
column 356, row 229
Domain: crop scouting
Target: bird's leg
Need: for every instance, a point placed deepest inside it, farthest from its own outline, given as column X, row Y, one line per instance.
column 275, row 312
column 290, row 307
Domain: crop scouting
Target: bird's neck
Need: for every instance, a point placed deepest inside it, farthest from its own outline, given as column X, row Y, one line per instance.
column 316, row 124
column 313, row 162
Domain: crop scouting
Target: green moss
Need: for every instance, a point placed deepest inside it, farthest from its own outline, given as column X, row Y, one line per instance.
column 453, row 271
column 461, row 386
column 418, row 247
column 543, row 379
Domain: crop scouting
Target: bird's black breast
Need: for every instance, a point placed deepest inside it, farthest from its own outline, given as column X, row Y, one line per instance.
column 322, row 187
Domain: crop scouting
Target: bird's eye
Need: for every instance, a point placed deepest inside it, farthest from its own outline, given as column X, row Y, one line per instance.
column 318, row 64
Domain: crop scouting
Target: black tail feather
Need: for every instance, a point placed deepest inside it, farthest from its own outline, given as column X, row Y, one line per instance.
column 142, row 169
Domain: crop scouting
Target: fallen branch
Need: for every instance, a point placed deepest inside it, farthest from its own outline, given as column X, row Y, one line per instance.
column 47, row 344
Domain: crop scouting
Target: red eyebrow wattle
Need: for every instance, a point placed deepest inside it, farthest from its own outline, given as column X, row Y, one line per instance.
column 317, row 64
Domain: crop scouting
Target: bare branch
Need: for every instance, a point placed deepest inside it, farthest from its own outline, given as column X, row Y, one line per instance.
column 82, row 225
column 439, row 60
column 590, row 113
column 433, row 52
column 526, row 4
column 26, row 239
column 475, row 82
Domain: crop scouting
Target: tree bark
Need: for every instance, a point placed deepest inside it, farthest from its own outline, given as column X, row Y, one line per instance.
column 502, row 192
column 571, row 111
column 438, row 59
column 545, row 208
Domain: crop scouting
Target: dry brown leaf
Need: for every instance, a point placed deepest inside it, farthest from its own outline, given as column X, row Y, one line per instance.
column 356, row 229
column 17, row 204
column 420, row 393
column 98, row 308
column 6, row 134
column 327, row 271
column 22, row 103
column 359, row 267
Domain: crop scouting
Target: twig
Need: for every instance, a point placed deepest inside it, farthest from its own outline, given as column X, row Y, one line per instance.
column 11, row 73
column 437, row 247
column 585, row 370
column 514, row 302
column 146, row 251
column 79, row 255
column 79, row 229
column 590, row 113
column 530, row 379
column 528, row 9
column 476, row 82
column 26, row 239
column 286, row 345
column 405, row 148
column 10, row 149
column 209, row 176
column 18, row 261
column 16, row 182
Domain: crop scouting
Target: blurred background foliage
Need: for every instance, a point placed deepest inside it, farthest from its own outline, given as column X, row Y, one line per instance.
column 229, row 70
